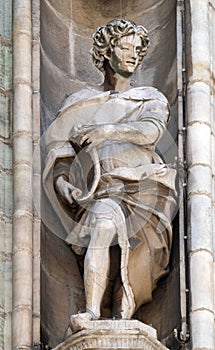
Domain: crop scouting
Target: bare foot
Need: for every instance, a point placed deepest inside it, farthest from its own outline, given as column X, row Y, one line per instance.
column 80, row 321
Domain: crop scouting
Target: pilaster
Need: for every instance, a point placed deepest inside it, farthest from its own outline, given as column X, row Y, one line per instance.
column 6, row 202
column 212, row 52
column 22, row 175
column 36, row 167
column 199, row 161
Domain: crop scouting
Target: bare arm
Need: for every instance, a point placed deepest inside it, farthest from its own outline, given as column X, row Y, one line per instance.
column 146, row 130
column 140, row 133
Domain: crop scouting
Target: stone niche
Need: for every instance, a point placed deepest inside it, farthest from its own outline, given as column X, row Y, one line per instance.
column 66, row 67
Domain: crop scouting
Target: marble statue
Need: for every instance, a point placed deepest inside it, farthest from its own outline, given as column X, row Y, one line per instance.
column 112, row 192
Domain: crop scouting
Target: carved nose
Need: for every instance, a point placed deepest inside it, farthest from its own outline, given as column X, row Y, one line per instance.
column 134, row 53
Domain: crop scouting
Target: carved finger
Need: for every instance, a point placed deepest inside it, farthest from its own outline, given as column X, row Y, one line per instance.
column 84, row 138
column 86, row 142
column 88, row 127
column 68, row 197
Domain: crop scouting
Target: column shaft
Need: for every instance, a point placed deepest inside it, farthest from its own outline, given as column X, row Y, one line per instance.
column 199, row 159
column 22, row 176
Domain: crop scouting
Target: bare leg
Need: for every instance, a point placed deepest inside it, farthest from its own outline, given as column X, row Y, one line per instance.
column 97, row 264
column 96, row 271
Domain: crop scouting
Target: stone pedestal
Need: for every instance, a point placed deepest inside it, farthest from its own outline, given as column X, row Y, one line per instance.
column 113, row 334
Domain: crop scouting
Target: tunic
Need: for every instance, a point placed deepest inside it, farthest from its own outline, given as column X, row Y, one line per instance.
column 133, row 177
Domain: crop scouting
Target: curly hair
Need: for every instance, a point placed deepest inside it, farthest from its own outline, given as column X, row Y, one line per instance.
column 106, row 37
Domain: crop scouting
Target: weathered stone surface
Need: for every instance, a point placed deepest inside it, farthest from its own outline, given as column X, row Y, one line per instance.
column 20, row 335
column 7, row 327
column 23, row 272
column 64, row 7
column 24, row 104
column 36, row 280
column 22, row 47
column 23, row 196
column 61, row 87
column 60, row 265
column 91, row 13
column 198, row 152
column 198, row 94
column 36, row 67
column 113, row 335
column 153, row 312
column 200, row 222
column 62, row 287
column 6, row 18
column 6, row 206
column 200, row 42
column 35, row 22
column 201, row 269
column 84, row 68
column 5, row 65
column 36, row 119
column 5, row 174
column 7, row 290
column 55, row 37
column 199, row 180
column 5, row 231
column 23, row 158
column 57, row 318
column 22, row 171
column 21, row 222
column 158, row 67
column 5, row 106
column 202, row 330
column 36, row 170
column 5, row 157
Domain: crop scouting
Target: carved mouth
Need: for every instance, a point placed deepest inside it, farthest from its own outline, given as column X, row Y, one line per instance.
column 131, row 62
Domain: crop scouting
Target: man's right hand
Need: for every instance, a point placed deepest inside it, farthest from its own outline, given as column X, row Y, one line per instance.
column 65, row 189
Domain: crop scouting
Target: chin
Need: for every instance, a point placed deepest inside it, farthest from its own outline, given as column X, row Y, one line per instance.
column 128, row 72
column 131, row 69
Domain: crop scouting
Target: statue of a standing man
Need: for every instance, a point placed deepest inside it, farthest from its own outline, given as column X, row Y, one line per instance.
column 133, row 199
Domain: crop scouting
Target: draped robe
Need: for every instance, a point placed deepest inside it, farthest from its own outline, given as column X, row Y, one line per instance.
column 133, row 177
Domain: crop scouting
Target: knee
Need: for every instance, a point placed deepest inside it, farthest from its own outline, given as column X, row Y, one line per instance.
column 105, row 225
column 103, row 233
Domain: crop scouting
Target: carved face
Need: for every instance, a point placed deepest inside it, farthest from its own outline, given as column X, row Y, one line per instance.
column 124, row 57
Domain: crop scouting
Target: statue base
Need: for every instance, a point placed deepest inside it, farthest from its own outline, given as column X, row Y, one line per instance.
column 113, row 334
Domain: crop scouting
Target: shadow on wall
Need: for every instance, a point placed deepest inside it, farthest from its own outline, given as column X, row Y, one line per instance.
column 66, row 67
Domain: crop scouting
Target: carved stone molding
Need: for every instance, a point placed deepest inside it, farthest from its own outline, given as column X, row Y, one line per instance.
column 117, row 334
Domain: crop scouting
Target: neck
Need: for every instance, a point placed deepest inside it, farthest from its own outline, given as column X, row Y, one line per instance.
column 115, row 81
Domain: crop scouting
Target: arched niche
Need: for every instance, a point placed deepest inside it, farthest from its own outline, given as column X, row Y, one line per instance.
column 66, row 67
